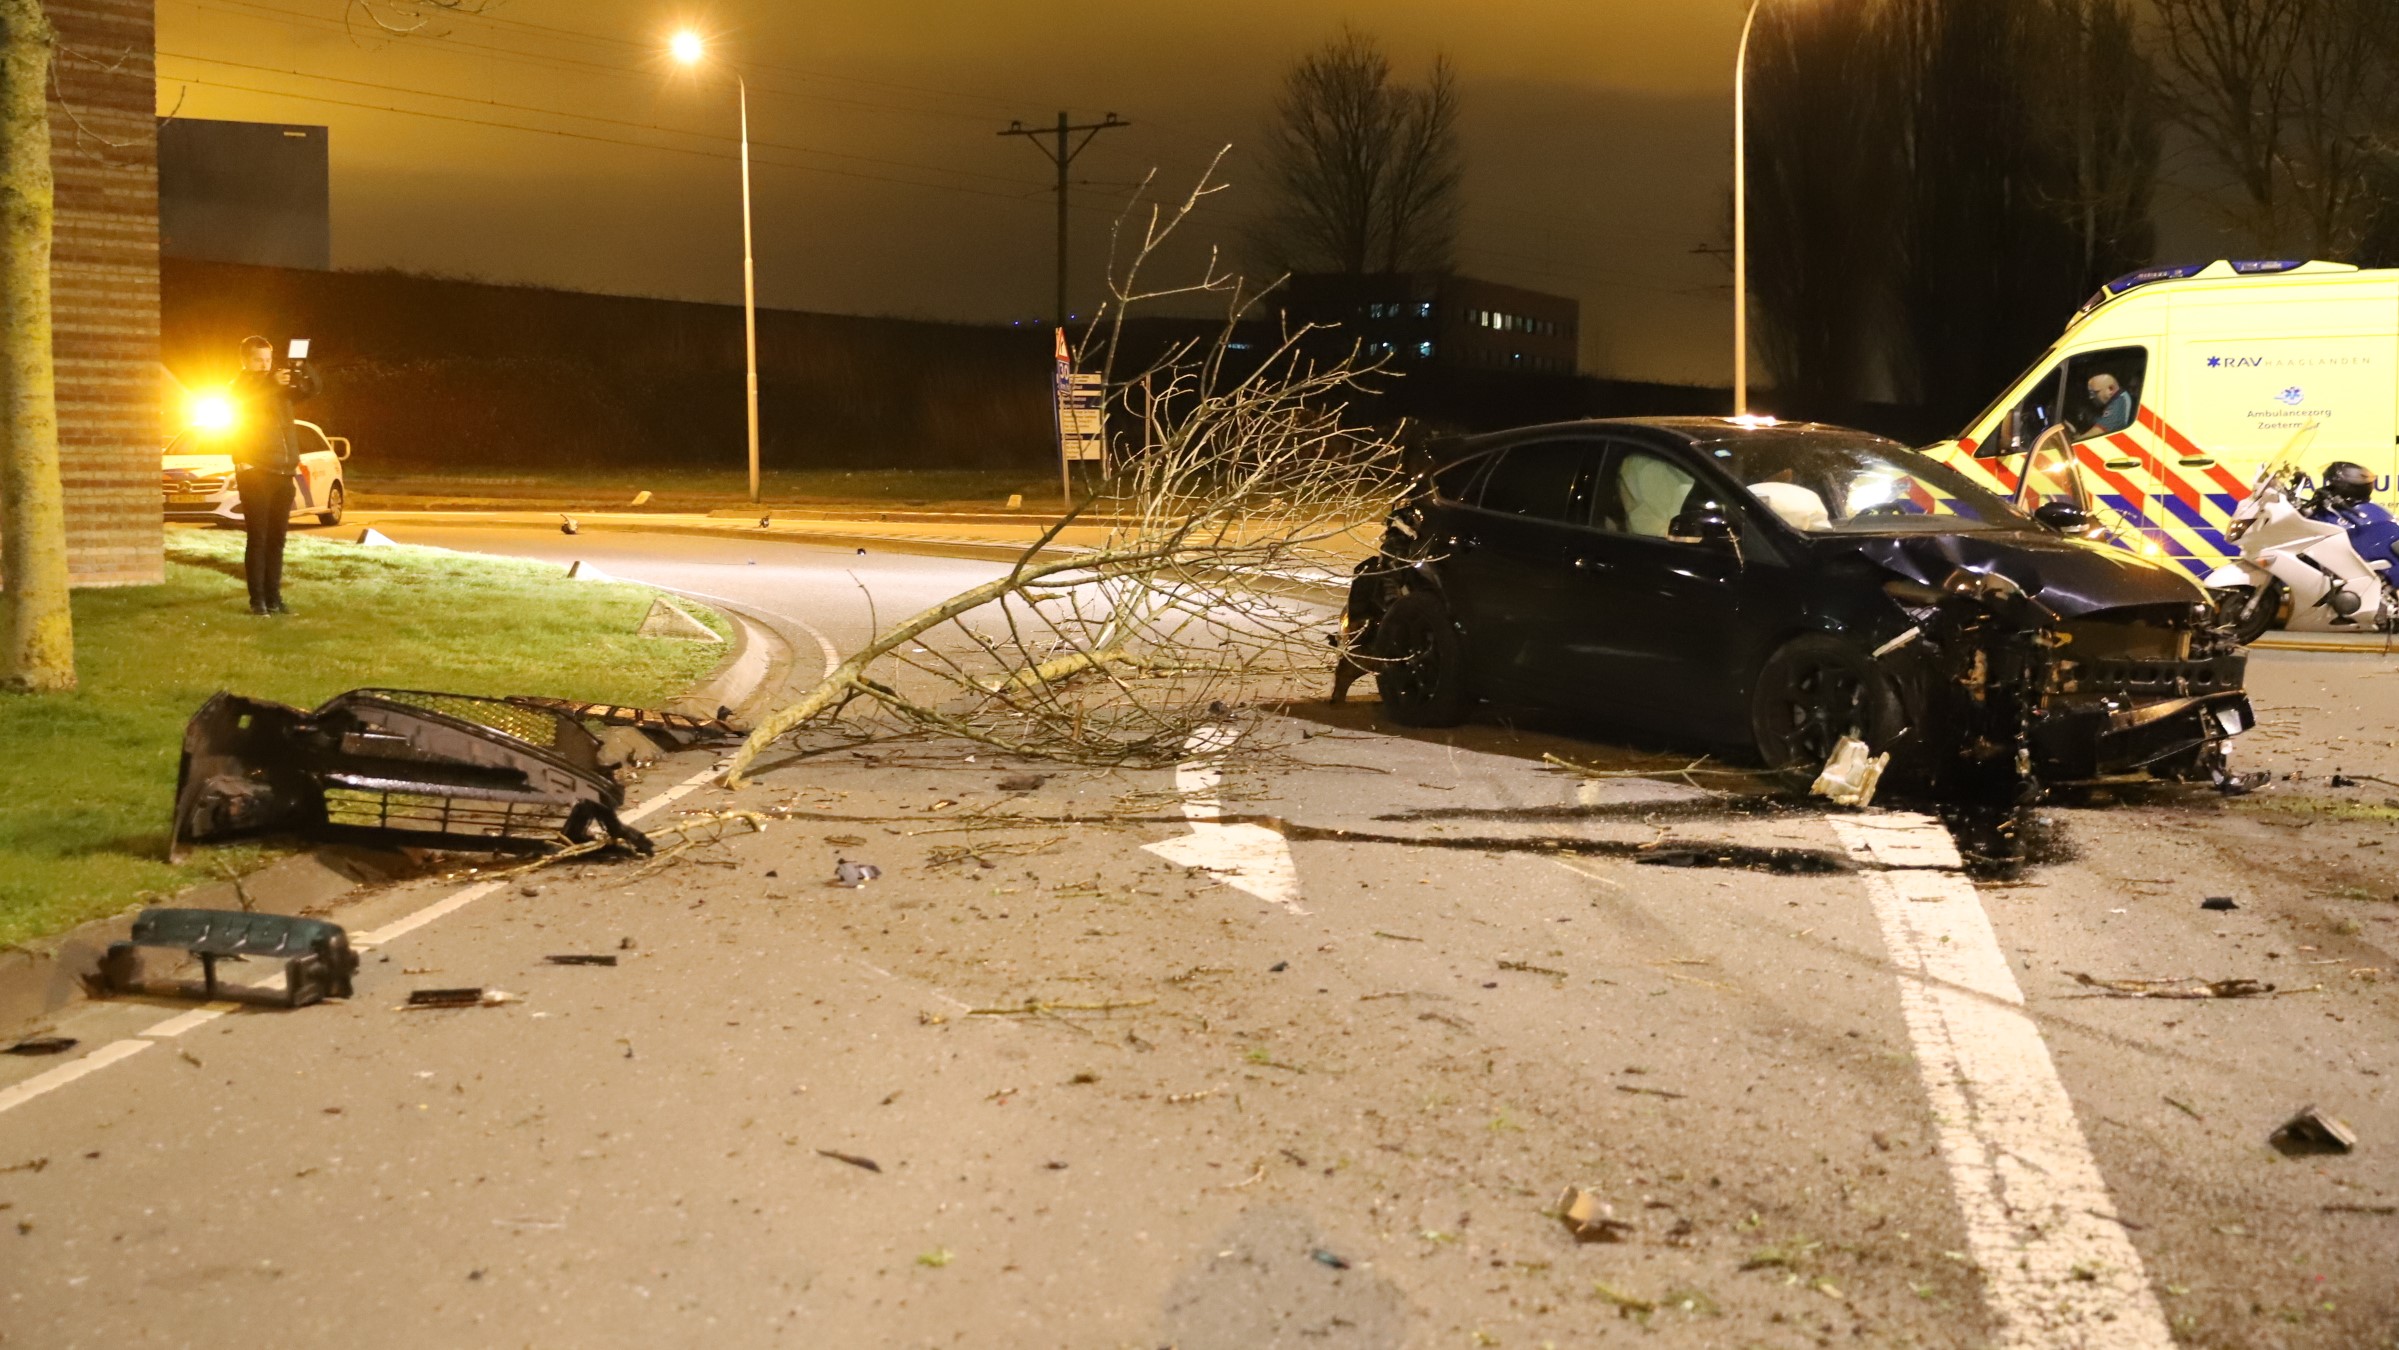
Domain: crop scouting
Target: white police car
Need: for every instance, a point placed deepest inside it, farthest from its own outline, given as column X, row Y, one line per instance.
column 197, row 472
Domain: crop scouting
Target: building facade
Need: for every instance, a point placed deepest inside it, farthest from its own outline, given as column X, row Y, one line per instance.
column 245, row 192
column 1440, row 321
column 104, row 288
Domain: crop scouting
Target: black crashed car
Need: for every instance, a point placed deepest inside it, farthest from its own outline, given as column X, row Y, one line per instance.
column 1778, row 586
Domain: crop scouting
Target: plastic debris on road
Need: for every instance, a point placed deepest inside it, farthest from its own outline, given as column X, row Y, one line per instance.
column 1851, row 775
column 1590, row 1218
column 460, row 998
column 2219, row 903
column 2312, row 1131
column 852, row 875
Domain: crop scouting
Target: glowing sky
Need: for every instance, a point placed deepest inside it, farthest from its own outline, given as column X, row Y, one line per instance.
column 552, row 142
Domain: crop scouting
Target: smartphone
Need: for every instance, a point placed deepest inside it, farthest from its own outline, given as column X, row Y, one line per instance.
column 299, row 350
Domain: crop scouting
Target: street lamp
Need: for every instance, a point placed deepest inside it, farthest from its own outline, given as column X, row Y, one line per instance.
column 689, row 49
column 1741, row 216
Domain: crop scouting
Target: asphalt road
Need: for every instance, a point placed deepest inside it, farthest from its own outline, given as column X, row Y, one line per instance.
column 1301, row 1053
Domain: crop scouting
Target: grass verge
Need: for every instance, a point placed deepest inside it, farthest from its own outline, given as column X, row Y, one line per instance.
column 91, row 775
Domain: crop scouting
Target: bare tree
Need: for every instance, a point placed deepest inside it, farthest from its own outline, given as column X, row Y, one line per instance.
column 1366, row 173
column 2093, row 100
column 1238, row 477
column 1821, row 140
column 40, row 632
column 2290, row 99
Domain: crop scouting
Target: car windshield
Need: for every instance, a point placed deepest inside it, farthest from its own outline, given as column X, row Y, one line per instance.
column 1834, row 484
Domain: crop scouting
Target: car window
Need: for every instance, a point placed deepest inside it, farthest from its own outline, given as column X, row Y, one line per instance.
column 1456, row 481
column 1643, row 494
column 2023, row 424
column 2103, row 391
column 1545, row 480
column 313, row 440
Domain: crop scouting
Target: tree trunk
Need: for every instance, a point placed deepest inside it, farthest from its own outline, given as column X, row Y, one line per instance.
column 37, row 646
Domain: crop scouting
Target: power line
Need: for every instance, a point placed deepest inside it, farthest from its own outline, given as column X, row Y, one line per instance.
column 579, row 116
column 1064, row 157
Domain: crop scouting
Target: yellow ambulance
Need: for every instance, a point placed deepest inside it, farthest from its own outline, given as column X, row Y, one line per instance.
column 2176, row 385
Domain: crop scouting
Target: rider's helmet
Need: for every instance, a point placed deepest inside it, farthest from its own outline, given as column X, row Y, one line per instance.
column 2347, row 484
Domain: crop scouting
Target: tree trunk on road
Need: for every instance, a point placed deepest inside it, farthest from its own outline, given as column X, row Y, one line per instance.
column 39, row 637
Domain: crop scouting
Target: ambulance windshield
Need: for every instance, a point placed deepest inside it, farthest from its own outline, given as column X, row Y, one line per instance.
column 1823, row 483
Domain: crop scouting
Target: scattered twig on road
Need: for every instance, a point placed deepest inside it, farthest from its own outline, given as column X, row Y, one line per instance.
column 1530, row 969
column 2183, row 987
column 1036, row 1008
column 852, row 1159
column 2185, row 1108
column 1651, row 1092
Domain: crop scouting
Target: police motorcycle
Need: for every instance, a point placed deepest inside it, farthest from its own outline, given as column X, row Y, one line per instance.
column 2299, row 564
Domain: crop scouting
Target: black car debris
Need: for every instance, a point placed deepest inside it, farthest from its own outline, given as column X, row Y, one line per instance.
column 415, row 768
column 1782, row 586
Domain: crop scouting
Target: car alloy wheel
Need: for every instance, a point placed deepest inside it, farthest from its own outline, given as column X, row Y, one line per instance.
column 1814, row 692
column 1421, row 664
column 332, row 514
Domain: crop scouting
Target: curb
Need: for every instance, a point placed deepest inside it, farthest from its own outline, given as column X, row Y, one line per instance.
column 42, row 978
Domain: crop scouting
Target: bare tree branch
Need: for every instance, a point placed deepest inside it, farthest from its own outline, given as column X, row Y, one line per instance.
column 1237, row 478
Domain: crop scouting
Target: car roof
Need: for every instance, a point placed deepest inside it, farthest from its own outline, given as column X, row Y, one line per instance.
column 1692, row 430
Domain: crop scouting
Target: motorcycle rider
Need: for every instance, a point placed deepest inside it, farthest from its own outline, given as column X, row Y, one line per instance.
column 2346, row 499
column 266, row 456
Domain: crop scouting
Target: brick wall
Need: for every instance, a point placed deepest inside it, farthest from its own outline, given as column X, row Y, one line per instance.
column 104, row 287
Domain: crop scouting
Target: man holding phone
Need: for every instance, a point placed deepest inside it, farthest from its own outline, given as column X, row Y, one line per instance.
column 266, row 455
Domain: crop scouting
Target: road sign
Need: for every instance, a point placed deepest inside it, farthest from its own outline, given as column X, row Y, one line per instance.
column 1080, row 401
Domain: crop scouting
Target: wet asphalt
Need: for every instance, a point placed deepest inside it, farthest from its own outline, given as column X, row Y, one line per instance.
column 1109, row 1100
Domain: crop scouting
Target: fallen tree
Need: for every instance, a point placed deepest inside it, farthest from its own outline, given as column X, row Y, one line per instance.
column 1234, row 475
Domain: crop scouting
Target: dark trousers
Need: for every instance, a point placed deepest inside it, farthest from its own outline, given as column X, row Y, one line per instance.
column 266, row 516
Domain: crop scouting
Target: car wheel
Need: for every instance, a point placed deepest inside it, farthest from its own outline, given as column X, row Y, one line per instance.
column 1813, row 692
column 1421, row 663
column 332, row 514
column 2250, row 611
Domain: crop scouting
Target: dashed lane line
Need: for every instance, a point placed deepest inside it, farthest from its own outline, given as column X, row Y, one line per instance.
column 2057, row 1274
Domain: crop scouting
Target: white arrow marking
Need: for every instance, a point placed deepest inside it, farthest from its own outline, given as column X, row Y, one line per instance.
column 1249, row 858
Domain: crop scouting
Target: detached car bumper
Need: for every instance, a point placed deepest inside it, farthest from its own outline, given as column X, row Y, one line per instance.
column 2104, row 738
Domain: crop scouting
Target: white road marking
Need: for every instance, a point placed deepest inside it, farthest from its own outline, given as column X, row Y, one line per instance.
column 41, row 1084
column 1249, row 858
column 13, row 1097
column 2055, row 1274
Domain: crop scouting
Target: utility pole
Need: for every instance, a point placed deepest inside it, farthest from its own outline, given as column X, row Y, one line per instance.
column 1063, row 156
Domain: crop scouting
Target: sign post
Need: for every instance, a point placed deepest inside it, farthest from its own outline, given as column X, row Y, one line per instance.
column 1079, row 406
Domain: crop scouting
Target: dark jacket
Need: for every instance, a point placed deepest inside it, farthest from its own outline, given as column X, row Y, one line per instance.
column 264, row 437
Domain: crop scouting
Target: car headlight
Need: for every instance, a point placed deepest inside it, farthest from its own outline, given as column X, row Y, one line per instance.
column 211, row 414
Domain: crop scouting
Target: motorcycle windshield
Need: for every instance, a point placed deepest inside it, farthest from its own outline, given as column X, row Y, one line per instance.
column 2286, row 463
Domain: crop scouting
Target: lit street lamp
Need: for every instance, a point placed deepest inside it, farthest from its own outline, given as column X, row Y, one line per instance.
column 688, row 49
column 1741, row 217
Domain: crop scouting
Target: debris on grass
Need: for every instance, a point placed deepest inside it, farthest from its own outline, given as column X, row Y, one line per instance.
column 2312, row 1131
column 1590, row 1218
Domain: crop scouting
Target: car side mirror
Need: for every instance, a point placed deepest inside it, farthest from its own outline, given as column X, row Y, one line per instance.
column 1707, row 525
column 341, row 446
column 2064, row 517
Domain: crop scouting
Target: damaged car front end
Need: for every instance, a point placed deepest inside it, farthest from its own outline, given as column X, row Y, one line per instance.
column 2015, row 687
column 397, row 767
column 1787, row 589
